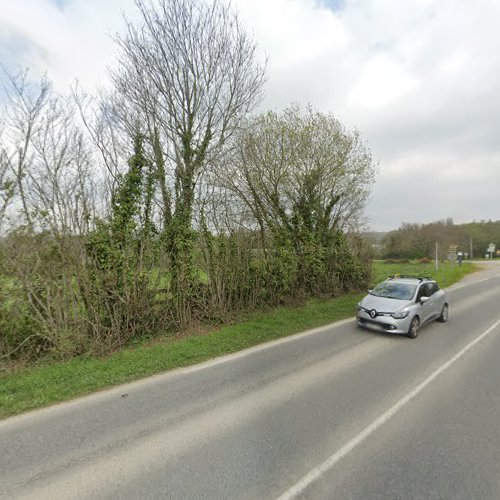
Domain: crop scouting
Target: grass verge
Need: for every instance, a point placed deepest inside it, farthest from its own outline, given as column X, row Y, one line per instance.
column 46, row 384
column 446, row 275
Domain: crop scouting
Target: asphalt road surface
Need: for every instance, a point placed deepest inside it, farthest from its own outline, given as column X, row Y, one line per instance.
column 337, row 412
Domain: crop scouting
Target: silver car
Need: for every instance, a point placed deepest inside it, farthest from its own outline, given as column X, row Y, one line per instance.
column 403, row 304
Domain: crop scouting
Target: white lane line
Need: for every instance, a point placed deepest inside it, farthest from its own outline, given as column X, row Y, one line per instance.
column 456, row 287
column 265, row 346
column 459, row 285
column 324, row 467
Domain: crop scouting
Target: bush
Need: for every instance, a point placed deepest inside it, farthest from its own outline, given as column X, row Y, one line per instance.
column 397, row 261
column 425, row 260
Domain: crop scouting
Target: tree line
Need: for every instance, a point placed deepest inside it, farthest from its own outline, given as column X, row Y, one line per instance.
column 413, row 241
column 166, row 201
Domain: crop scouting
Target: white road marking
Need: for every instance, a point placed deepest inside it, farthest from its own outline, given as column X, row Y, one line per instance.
column 97, row 473
column 264, row 346
column 328, row 464
column 458, row 285
column 461, row 285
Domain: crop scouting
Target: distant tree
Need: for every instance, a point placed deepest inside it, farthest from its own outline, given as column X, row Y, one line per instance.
column 480, row 234
column 415, row 240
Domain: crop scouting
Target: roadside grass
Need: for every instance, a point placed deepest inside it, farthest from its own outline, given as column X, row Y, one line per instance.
column 446, row 275
column 49, row 383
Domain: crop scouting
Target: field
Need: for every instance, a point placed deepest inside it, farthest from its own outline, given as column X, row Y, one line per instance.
column 446, row 275
column 49, row 383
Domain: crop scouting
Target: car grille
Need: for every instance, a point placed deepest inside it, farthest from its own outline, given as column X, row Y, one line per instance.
column 385, row 326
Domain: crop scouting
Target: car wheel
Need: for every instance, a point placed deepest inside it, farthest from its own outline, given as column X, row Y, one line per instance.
column 444, row 314
column 413, row 330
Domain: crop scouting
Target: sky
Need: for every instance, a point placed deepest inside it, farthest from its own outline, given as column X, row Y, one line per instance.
column 419, row 79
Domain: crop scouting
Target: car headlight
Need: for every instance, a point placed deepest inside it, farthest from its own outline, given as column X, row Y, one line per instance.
column 358, row 306
column 401, row 314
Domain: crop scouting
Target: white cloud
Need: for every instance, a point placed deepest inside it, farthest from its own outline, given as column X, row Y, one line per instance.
column 69, row 42
column 294, row 32
column 381, row 83
column 418, row 78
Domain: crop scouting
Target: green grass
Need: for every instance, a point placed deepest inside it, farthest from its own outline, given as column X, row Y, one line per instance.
column 50, row 383
column 446, row 275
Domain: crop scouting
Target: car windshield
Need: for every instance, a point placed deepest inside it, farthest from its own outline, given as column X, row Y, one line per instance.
column 394, row 290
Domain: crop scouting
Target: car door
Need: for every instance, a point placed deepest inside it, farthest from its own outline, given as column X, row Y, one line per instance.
column 437, row 297
column 425, row 310
column 433, row 302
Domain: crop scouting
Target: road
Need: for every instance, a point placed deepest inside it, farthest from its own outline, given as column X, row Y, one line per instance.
column 337, row 412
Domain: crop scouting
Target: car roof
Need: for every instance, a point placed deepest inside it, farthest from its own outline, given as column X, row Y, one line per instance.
column 415, row 280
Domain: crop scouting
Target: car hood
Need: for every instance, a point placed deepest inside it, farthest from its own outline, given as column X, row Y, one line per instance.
column 383, row 304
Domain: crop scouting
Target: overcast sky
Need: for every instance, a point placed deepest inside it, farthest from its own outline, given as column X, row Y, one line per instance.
column 420, row 80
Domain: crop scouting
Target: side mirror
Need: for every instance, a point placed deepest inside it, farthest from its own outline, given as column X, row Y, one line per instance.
column 423, row 300
column 370, row 290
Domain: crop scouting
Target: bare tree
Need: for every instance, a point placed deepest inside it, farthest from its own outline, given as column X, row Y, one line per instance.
column 26, row 105
column 62, row 191
column 190, row 72
column 7, row 180
column 47, row 174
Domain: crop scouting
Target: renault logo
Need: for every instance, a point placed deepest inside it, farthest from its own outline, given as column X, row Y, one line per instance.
column 373, row 313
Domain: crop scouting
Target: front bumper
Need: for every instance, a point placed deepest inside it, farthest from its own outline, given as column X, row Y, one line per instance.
column 385, row 323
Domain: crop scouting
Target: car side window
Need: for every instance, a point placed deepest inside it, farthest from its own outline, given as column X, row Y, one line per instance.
column 425, row 290
column 435, row 288
column 421, row 292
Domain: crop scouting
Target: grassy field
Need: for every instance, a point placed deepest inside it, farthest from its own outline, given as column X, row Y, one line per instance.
column 50, row 383
column 446, row 275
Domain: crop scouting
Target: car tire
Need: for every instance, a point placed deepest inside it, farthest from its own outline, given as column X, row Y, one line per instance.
column 414, row 325
column 443, row 318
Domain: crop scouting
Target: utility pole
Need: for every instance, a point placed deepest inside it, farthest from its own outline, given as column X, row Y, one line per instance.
column 471, row 253
column 437, row 256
